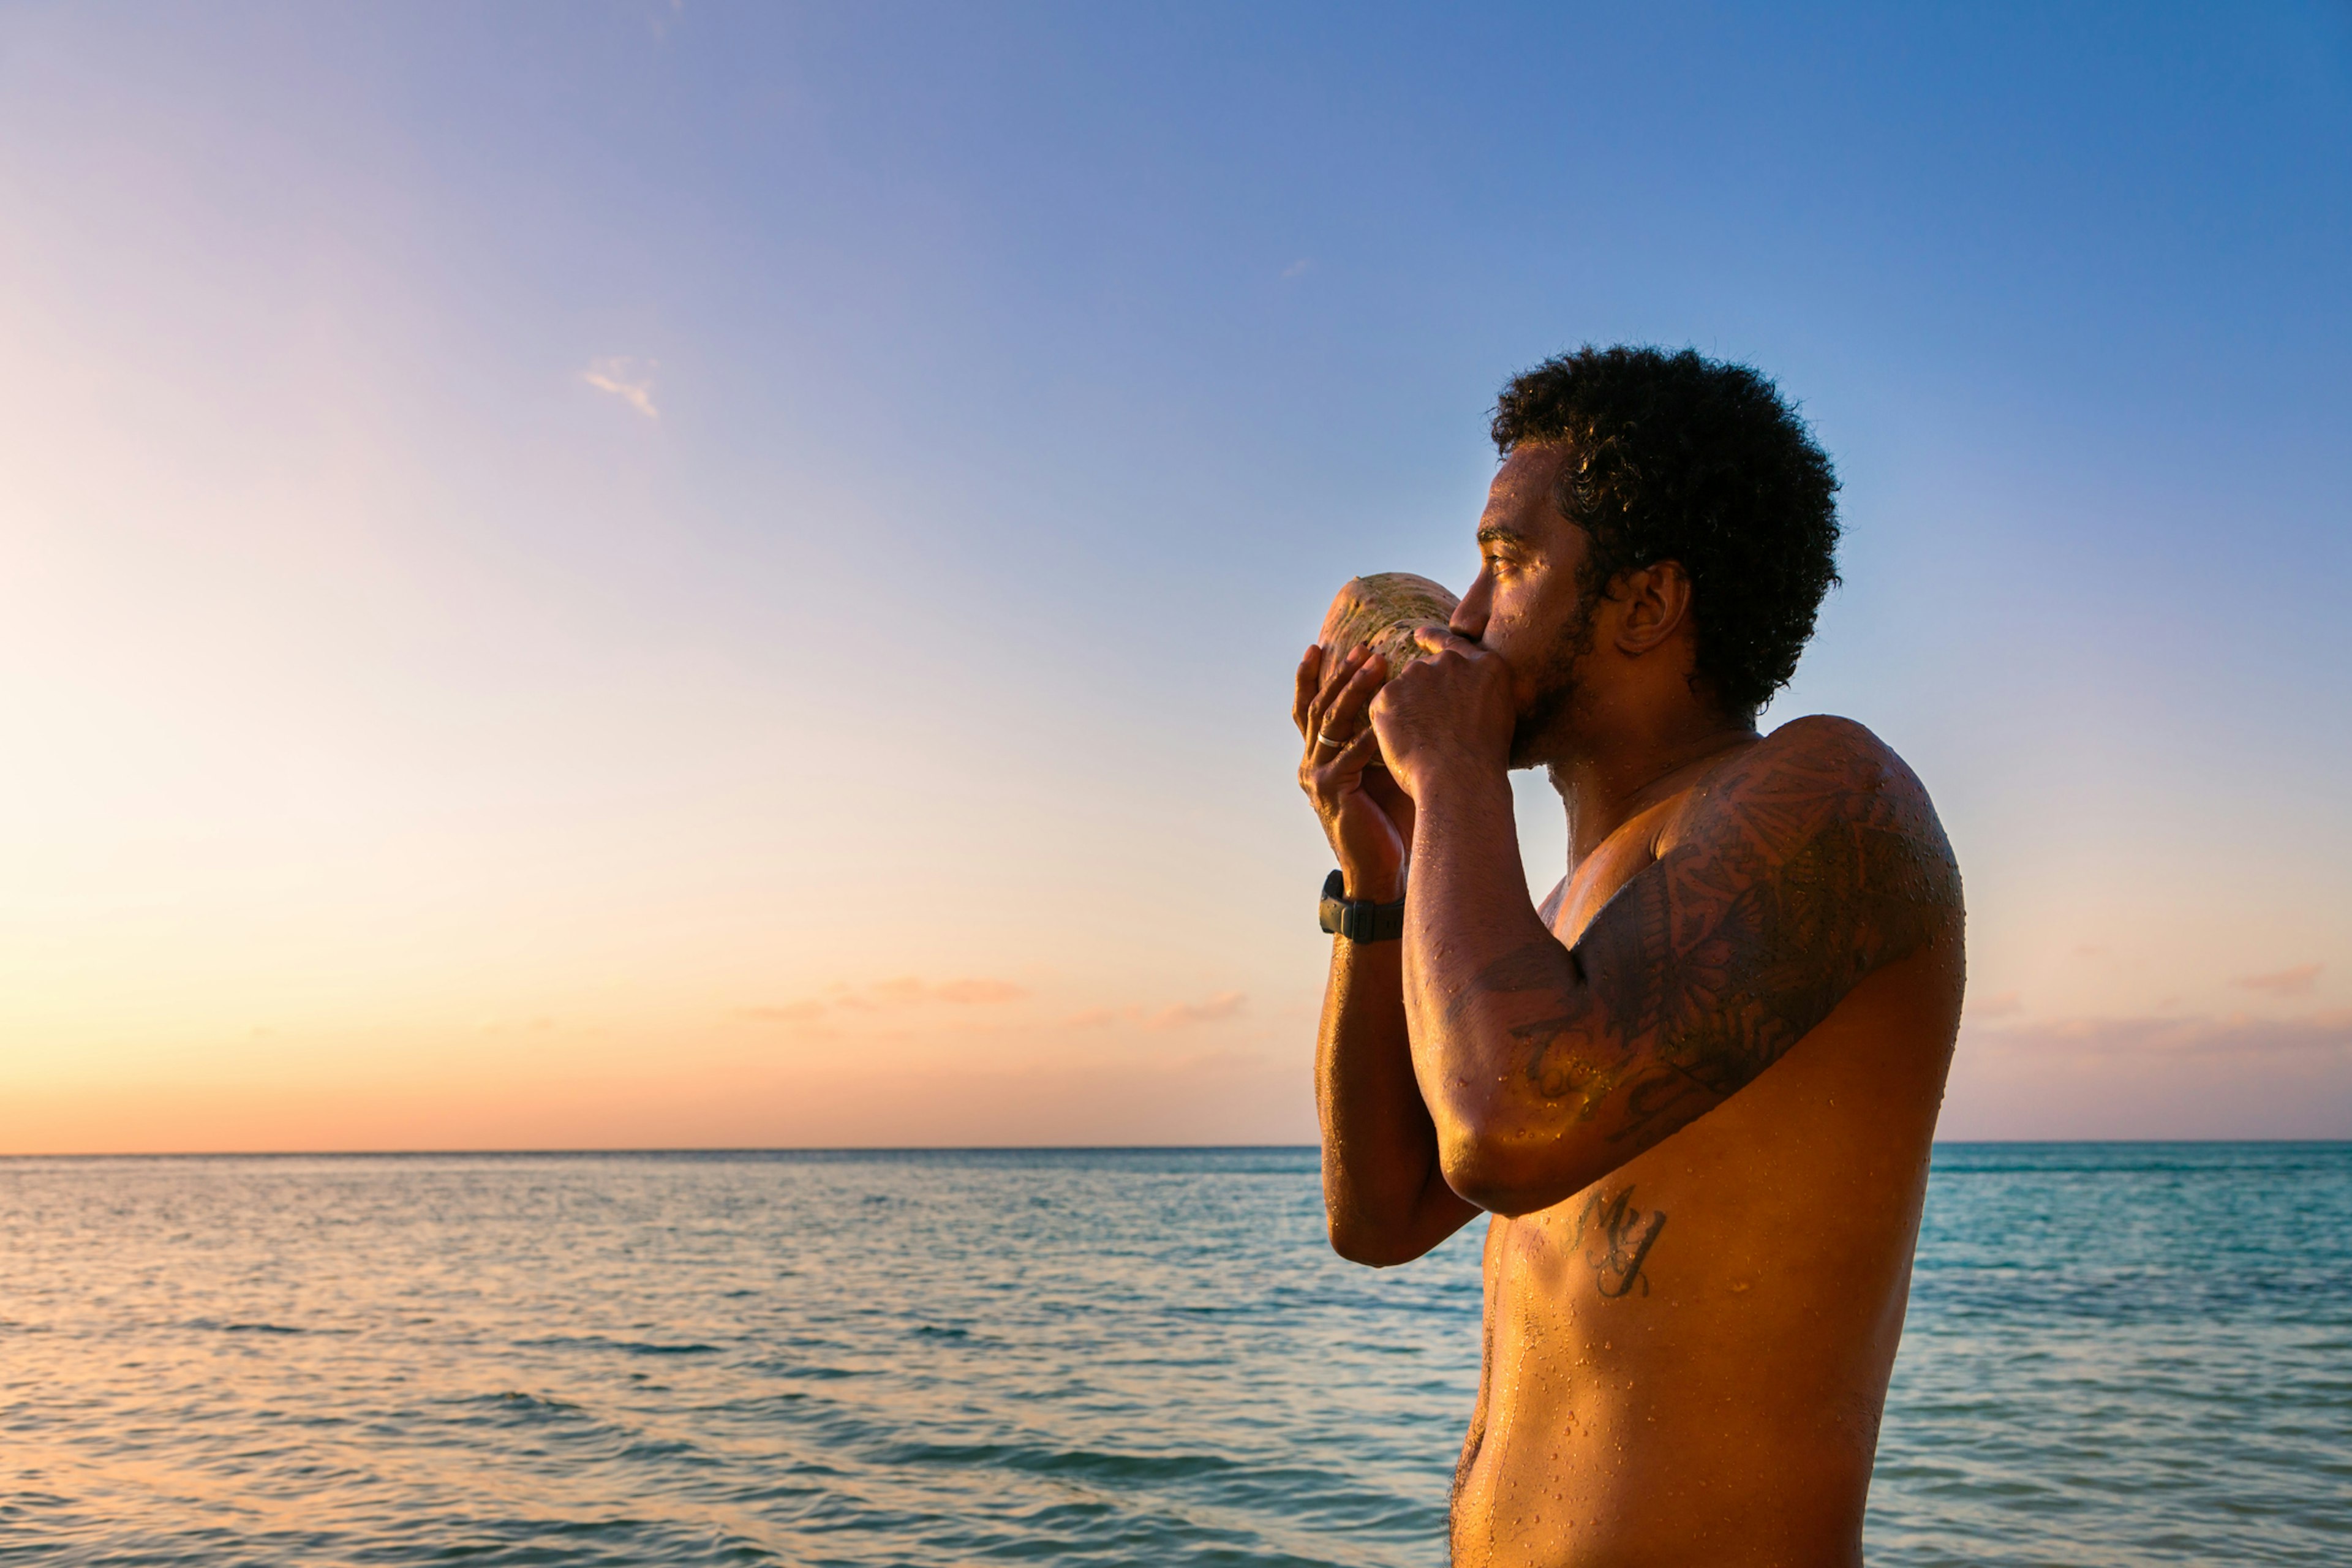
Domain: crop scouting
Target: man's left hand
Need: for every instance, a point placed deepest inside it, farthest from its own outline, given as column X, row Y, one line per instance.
column 1453, row 708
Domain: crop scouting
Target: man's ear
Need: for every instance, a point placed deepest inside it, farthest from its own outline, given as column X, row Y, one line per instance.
column 1654, row 602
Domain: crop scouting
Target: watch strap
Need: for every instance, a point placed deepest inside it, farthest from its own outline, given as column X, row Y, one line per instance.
column 1358, row 919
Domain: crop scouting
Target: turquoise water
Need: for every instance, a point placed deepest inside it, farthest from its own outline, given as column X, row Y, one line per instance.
column 2117, row 1355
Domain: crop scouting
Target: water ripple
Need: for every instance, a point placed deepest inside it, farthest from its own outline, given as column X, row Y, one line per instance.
column 2116, row 1354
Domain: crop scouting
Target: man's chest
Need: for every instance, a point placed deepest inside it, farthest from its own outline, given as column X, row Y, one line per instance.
column 1616, row 861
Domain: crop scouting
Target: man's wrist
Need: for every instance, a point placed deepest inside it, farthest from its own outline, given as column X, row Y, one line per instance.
column 1359, row 920
column 1447, row 771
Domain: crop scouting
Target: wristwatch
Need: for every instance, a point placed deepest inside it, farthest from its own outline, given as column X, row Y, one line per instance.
column 1358, row 919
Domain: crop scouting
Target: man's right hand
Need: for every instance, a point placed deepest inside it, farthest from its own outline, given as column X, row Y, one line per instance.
column 1368, row 819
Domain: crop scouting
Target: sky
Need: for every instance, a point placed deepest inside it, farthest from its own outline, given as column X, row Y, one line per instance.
column 632, row 574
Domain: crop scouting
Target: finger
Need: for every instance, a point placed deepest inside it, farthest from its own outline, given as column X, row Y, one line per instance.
column 1437, row 639
column 1303, row 688
column 1336, row 769
column 1348, row 711
column 1344, row 718
column 1335, row 679
column 1335, row 670
column 1345, row 771
column 1344, row 764
column 1342, row 772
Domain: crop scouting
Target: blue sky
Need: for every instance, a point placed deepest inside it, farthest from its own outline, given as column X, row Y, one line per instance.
column 562, row 558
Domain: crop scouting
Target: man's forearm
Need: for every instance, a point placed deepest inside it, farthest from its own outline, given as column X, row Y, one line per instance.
column 1468, row 911
column 1383, row 1189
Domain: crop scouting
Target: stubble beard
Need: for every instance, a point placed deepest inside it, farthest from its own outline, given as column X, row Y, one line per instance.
column 1532, row 738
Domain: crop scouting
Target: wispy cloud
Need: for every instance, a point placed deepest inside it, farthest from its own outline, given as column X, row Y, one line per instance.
column 1298, row 268
column 2154, row 1076
column 2005, row 1006
column 2326, row 1033
column 2295, row 982
column 881, row 996
column 628, row 379
column 1174, row 1016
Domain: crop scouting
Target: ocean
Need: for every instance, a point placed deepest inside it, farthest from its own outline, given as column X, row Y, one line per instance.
column 2116, row 1354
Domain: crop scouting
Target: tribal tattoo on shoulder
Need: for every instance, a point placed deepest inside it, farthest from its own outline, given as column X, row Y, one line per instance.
column 1805, row 867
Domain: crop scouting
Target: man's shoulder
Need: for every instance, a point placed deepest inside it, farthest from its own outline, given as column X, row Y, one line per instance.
column 1836, row 763
column 1813, row 778
column 1824, row 739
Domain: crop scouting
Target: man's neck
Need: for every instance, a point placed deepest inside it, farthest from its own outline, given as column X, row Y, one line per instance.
column 1607, row 778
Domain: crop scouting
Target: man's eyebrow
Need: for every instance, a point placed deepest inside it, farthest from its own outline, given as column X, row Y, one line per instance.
column 1498, row 533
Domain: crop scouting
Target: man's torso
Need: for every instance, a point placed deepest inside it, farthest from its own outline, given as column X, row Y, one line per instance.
column 1685, row 1363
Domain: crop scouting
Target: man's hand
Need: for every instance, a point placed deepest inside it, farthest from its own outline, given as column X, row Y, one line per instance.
column 1455, row 708
column 1385, row 1196
column 1368, row 819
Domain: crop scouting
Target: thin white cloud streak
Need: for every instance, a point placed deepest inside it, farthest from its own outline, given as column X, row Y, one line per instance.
column 619, row 377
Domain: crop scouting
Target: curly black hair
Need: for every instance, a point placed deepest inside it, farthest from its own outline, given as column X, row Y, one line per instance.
column 1674, row 456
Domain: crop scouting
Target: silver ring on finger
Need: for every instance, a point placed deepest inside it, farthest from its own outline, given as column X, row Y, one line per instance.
column 1325, row 738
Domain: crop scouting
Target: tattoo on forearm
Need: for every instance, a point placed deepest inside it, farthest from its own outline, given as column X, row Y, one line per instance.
column 1795, row 881
column 1621, row 1241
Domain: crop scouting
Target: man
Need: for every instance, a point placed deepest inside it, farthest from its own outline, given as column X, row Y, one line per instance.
column 1695, row 1087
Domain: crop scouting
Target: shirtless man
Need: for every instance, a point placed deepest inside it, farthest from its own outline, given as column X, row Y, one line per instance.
column 1695, row 1087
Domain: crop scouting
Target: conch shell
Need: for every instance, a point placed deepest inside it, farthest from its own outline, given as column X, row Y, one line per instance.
column 1381, row 612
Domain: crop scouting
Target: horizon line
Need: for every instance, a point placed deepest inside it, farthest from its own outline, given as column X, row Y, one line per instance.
column 678, row 1151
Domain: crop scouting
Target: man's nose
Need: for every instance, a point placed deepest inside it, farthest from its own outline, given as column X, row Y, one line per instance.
column 1469, row 618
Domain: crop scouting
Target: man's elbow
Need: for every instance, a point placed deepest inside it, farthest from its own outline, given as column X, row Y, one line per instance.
column 1510, row 1175
column 1374, row 1246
